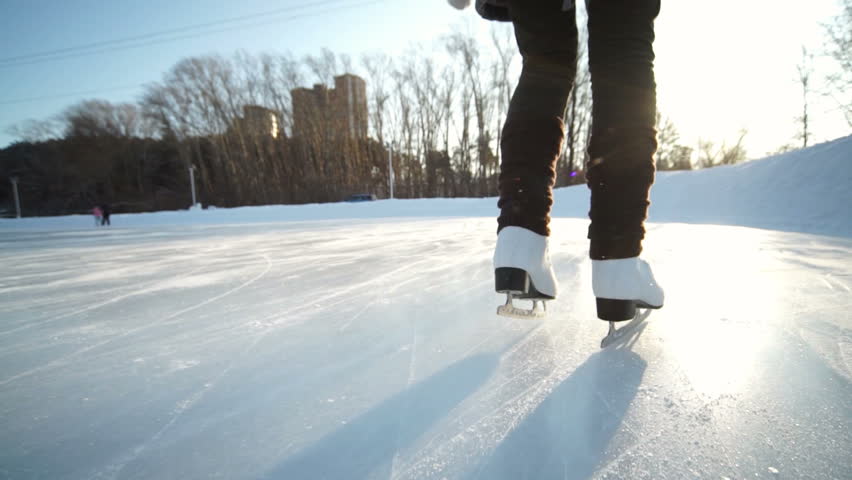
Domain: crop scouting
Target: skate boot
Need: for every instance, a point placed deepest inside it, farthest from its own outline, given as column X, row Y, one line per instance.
column 522, row 270
column 622, row 286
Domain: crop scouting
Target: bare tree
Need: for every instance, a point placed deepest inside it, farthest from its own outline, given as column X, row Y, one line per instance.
column 447, row 99
column 407, row 168
column 36, row 130
column 711, row 156
column 787, row 147
column 424, row 79
column 707, row 154
column 503, row 40
column 276, row 77
column 680, row 158
column 91, row 118
column 839, row 48
column 379, row 67
column 464, row 47
column 805, row 69
column 667, row 143
column 324, row 67
column 194, row 106
column 736, row 153
column 578, row 114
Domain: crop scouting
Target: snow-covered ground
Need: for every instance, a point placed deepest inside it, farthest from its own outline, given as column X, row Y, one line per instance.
column 359, row 341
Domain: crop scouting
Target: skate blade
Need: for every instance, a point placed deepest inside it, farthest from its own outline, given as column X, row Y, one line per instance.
column 629, row 331
column 521, row 313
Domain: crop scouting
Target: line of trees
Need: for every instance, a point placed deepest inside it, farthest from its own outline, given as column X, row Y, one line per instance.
column 441, row 119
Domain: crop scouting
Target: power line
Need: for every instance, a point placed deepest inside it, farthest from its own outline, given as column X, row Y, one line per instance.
column 161, row 32
column 69, row 94
column 22, row 60
column 129, row 87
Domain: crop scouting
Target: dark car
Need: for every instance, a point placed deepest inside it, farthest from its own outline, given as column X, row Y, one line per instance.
column 361, row 197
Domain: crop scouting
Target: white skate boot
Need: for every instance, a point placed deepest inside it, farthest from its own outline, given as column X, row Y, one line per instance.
column 522, row 270
column 621, row 287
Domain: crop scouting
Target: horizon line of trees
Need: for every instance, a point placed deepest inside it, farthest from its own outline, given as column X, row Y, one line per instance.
column 439, row 122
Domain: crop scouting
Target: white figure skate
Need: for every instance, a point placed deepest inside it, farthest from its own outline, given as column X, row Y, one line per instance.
column 522, row 270
column 621, row 287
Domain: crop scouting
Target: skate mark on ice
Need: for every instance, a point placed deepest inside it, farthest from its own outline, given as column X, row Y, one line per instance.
column 407, row 407
column 460, row 410
column 833, row 344
column 700, row 411
column 365, row 287
column 368, row 453
column 495, row 423
column 831, row 279
column 422, row 460
column 88, row 308
column 527, row 337
column 497, row 416
column 570, row 426
column 182, row 407
column 488, row 338
column 63, row 360
column 356, row 316
column 342, row 295
column 533, row 394
column 504, row 355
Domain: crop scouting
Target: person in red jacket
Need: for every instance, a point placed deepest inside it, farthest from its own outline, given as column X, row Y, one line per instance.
column 620, row 161
column 98, row 214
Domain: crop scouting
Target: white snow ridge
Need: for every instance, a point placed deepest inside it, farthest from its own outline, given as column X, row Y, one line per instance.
column 359, row 341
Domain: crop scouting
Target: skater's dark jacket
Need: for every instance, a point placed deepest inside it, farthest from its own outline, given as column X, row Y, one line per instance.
column 498, row 10
column 493, row 10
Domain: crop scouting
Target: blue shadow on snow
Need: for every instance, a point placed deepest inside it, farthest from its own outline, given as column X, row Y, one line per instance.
column 369, row 442
column 567, row 435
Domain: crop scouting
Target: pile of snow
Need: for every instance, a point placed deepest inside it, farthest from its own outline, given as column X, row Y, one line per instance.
column 808, row 190
column 805, row 191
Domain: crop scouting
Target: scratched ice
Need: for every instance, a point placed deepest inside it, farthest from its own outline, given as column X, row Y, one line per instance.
column 360, row 342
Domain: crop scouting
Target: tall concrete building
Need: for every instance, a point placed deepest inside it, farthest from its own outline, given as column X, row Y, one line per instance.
column 257, row 120
column 340, row 112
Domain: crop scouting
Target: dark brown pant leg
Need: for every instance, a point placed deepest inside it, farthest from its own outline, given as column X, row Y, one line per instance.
column 533, row 132
column 620, row 168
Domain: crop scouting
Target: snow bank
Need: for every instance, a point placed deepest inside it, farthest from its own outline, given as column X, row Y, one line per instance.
column 805, row 191
column 808, row 191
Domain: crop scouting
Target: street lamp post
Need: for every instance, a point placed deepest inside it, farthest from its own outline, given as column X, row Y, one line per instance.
column 17, row 200
column 390, row 169
column 192, row 182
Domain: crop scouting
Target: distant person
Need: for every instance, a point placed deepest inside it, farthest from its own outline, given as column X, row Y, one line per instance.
column 98, row 214
column 620, row 163
column 106, row 213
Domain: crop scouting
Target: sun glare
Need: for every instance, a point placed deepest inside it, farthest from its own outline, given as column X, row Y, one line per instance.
column 725, row 66
column 721, row 331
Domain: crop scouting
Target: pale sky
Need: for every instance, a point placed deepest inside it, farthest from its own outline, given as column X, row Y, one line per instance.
column 726, row 65
column 721, row 66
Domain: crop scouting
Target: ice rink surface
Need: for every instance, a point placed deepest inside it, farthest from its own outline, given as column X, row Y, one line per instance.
column 370, row 349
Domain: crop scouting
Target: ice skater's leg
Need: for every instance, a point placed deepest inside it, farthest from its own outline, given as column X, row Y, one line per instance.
column 620, row 167
column 532, row 139
column 533, row 132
